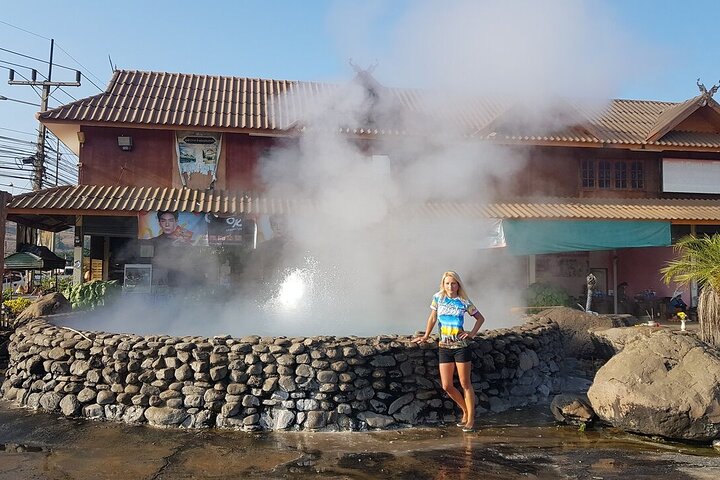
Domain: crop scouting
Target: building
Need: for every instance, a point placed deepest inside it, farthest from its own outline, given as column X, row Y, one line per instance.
column 605, row 188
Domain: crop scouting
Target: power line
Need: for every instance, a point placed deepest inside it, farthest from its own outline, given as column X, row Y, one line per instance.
column 19, row 65
column 65, row 52
column 17, row 131
column 23, row 30
column 23, row 55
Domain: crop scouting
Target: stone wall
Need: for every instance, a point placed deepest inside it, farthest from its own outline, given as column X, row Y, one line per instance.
column 268, row 383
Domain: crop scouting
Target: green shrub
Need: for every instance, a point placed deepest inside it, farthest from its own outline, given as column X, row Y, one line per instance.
column 47, row 283
column 91, row 295
column 17, row 305
column 546, row 295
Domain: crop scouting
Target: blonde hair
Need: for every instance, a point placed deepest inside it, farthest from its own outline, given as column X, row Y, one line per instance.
column 461, row 291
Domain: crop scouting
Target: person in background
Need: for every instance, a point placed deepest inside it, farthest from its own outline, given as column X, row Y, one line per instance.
column 624, row 303
column 448, row 308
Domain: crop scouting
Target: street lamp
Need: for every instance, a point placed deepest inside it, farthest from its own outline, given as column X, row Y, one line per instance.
column 2, row 97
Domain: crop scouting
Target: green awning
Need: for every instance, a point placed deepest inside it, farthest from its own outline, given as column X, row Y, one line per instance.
column 33, row 257
column 529, row 237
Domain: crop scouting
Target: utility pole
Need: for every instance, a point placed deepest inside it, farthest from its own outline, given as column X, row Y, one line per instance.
column 39, row 160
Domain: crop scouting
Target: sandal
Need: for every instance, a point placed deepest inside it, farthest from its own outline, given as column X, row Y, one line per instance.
column 468, row 429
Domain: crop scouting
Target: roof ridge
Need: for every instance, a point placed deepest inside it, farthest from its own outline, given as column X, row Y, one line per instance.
column 206, row 75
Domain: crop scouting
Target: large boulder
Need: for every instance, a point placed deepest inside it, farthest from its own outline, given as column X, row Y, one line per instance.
column 49, row 304
column 577, row 327
column 615, row 339
column 667, row 384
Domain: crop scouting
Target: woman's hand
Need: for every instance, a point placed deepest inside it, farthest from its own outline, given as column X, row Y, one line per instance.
column 465, row 335
column 420, row 339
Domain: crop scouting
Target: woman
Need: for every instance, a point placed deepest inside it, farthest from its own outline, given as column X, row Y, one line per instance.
column 448, row 307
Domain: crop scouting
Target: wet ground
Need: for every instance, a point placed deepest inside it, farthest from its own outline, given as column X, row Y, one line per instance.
column 519, row 444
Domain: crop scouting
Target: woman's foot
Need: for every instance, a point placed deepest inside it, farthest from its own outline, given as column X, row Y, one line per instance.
column 468, row 428
column 463, row 421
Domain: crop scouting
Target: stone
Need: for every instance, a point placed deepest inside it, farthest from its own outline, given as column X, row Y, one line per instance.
column 307, row 404
column 376, row 420
column 50, row 304
column 50, row 401
column 230, row 409
column 251, row 419
column 164, row 416
column 86, row 395
column 667, row 385
column 400, row 402
column 79, row 368
column 525, row 361
column 93, row 411
column 270, row 384
column 410, row 413
column 327, row 376
column 281, row 419
column 286, row 360
column 218, row 373
column 577, row 327
column 615, row 339
column 315, row 419
column 134, row 414
column 383, row 361
column 287, row 383
column 114, row 412
column 105, row 397
column 58, row 353
column 365, row 394
column 572, row 409
column 69, row 405
column 497, row 405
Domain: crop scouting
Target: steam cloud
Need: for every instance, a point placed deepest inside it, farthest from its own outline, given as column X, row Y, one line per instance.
column 363, row 260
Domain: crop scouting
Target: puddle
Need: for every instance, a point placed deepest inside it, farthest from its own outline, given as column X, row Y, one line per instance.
column 518, row 444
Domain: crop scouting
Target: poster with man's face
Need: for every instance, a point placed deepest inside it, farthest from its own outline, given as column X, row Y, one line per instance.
column 173, row 228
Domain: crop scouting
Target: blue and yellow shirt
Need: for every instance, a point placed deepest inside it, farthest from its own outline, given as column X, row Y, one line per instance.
column 451, row 317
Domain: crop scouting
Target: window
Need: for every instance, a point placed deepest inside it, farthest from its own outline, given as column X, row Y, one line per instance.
column 604, row 174
column 612, row 174
column 636, row 175
column 621, row 175
column 588, row 174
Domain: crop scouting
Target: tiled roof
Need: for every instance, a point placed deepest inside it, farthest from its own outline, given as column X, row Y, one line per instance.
column 693, row 210
column 129, row 200
column 186, row 101
column 124, row 200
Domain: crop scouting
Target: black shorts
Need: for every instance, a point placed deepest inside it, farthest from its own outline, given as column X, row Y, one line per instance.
column 454, row 355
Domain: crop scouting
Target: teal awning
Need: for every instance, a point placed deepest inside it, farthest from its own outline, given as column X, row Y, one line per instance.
column 33, row 257
column 529, row 237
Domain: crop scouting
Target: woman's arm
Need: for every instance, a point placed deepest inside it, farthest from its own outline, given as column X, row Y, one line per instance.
column 479, row 320
column 432, row 319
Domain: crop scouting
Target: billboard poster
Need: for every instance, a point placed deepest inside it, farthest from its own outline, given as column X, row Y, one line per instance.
column 172, row 228
column 198, row 154
column 231, row 230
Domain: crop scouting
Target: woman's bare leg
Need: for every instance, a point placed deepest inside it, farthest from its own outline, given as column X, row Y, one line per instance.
column 447, row 372
column 464, row 369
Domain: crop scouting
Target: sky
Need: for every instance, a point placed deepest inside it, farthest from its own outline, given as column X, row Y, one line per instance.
column 641, row 49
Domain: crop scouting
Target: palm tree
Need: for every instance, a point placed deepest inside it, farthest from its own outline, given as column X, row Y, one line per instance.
column 699, row 260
